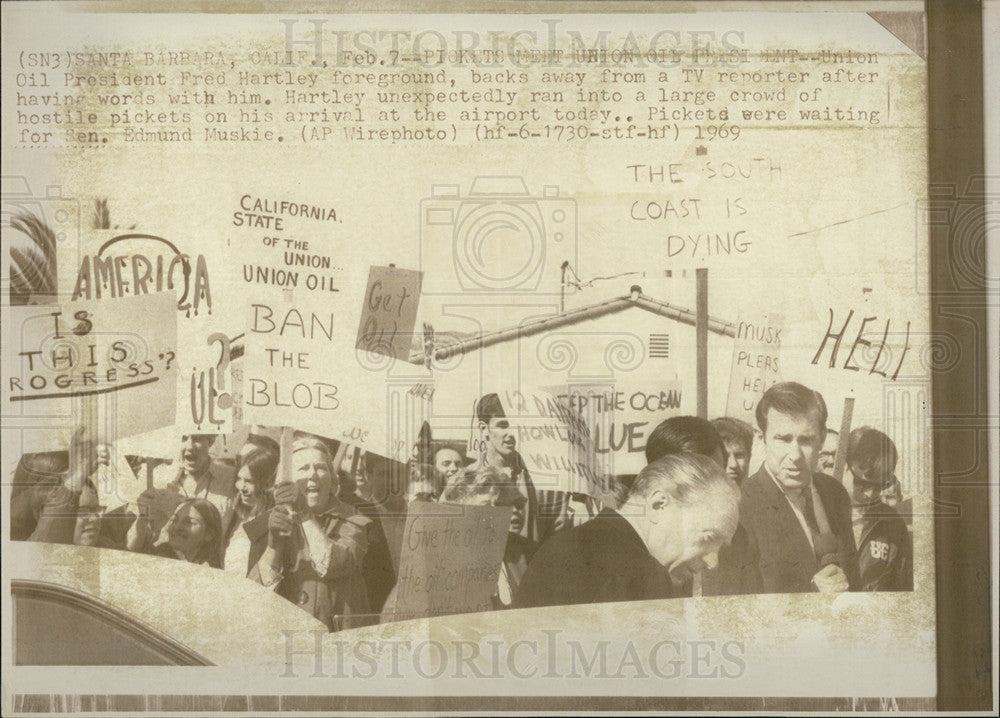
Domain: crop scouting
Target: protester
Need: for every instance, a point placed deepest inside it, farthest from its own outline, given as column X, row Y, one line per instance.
column 428, row 481
column 545, row 510
column 800, row 519
column 255, row 475
column 489, row 486
column 885, row 552
column 738, row 571
column 737, row 437
column 680, row 511
column 196, row 474
column 315, row 544
column 828, row 454
column 55, row 496
column 193, row 533
column 37, row 475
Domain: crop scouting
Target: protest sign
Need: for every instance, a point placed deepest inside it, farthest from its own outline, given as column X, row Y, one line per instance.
column 755, row 365
column 389, row 311
column 121, row 349
column 450, row 560
column 555, row 443
column 621, row 417
column 302, row 369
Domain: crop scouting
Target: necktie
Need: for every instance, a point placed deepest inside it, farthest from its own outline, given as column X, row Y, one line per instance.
column 806, row 504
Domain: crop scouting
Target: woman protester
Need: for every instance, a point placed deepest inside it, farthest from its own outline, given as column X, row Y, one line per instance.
column 314, row 548
column 255, row 474
column 193, row 533
column 61, row 505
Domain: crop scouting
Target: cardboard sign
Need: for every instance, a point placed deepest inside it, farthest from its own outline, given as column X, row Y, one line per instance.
column 302, row 369
column 389, row 312
column 123, row 351
column 621, row 416
column 450, row 560
column 556, row 444
column 755, row 365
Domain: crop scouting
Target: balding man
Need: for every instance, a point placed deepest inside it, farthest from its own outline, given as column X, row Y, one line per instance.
column 679, row 512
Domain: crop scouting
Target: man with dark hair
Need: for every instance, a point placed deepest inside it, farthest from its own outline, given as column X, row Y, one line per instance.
column 679, row 512
column 800, row 519
column 545, row 511
column 885, row 552
column 828, row 454
column 738, row 438
column 737, row 571
column 197, row 474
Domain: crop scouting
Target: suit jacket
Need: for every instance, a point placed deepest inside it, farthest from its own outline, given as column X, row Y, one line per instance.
column 787, row 560
column 738, row 572
column 600, row 561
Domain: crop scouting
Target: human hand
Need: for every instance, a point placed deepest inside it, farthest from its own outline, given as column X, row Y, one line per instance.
column 830, row 579
column 86, row 455
column 285, row 493
column 280, row 524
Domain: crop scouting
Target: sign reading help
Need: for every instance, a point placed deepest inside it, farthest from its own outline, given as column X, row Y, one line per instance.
column 389, row 311
column 124, row 348
column 755, row 365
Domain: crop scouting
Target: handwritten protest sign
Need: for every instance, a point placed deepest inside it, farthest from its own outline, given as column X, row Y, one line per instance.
column 302, row 369
column 621, row 416
column 555, row 443
column 121, row 349
column 389, row 311
column 755, row 365
column 450, row 560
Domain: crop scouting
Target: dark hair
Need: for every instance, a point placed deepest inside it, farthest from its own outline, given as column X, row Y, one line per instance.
column 46, row 468
column 210, row 438
column 263, row 442
column 793, row 399
column 211, row 551
column 734, row 431
column 684, row 433
column 489, row 407
column 872, row 456
column 263, row 465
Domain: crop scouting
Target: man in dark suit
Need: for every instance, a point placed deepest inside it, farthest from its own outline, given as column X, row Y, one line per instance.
column 800, row 519
column 679, row 512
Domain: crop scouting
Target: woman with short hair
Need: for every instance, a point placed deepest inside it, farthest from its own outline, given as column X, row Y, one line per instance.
column 315, row 544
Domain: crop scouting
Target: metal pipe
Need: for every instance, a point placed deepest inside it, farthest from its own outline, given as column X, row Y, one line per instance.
column 533, row 327
column 684, row 315
column 635, row 299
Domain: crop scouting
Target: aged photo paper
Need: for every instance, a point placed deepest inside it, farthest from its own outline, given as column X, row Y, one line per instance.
column 370, row 360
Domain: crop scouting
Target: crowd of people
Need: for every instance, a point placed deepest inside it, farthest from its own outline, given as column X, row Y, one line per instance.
column 321, row 527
